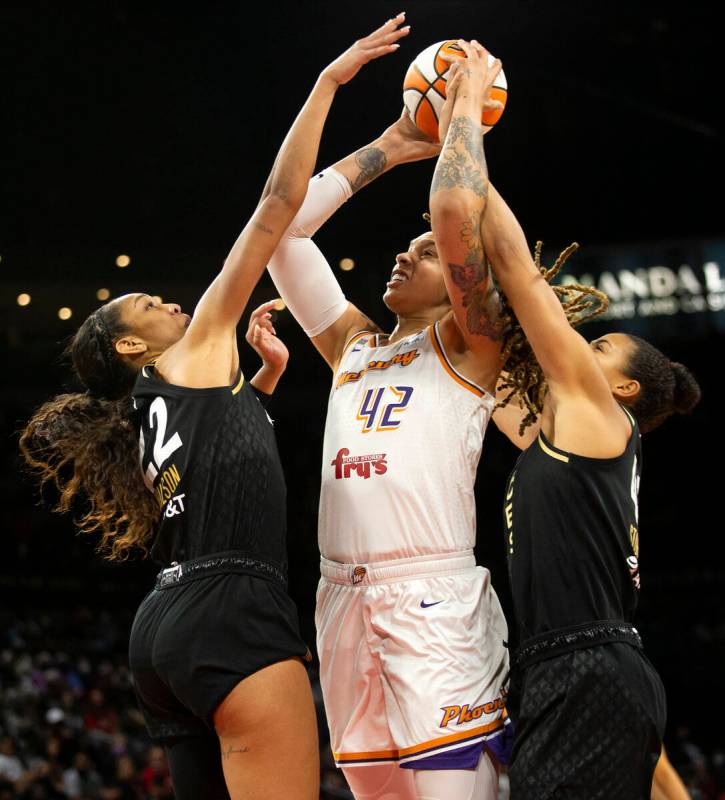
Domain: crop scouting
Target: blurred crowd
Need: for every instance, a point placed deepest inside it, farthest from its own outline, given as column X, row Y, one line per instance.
column 70, row 727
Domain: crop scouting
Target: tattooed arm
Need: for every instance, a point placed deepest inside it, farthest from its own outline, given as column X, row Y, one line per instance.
column 458, row 198
column 300, row 271
column 399, row 144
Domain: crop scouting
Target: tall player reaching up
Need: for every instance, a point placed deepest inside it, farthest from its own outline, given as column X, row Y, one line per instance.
column 411, row 637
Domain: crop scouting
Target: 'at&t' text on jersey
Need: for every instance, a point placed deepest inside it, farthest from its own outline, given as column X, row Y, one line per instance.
column 402, row 442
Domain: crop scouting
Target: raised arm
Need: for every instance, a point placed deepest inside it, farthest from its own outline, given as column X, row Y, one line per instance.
column 564, row 355
column 300, row 271
column 457, row 200
column 228, row 294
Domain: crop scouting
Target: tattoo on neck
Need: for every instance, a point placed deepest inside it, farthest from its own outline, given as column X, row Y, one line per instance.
column 372, row 161
column 230, row 751
column 462, row 164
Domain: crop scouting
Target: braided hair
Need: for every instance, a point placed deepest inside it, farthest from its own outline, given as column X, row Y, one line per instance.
column 85, row 444
column 524, row 376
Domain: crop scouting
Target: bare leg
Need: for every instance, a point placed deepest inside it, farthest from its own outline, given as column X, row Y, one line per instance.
column 463, row 784
column 381, row 782
column 268, row 735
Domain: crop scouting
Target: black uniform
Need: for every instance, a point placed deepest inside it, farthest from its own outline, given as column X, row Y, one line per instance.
column 220, row 610
column 592, row 707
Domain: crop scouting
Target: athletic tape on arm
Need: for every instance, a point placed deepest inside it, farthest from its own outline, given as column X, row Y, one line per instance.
column 300, row 272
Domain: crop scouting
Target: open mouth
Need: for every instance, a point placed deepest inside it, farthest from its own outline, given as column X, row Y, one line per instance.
column 398, row 277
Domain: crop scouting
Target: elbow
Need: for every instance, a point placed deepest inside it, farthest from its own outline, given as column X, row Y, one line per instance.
column 282, row 205
column 448, row 212
column 287, row 197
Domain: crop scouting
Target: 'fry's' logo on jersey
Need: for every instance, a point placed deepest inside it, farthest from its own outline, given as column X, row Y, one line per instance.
column 401, row 359
column 465, row 713
column 345, row 464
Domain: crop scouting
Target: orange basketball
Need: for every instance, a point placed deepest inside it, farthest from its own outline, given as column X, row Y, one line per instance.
column 424, row 88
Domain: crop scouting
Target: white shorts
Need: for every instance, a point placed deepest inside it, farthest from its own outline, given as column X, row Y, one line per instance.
column 413, row 661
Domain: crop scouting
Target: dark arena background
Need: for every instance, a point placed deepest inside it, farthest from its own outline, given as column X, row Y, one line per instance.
column 147, row 130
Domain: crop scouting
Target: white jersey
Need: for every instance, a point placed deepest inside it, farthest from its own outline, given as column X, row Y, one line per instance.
column 402, row 442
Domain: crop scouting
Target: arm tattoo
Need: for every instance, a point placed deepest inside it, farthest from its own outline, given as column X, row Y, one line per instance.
column 372, row 161
column 480, row 298
column 263, row 228
column 462, row 164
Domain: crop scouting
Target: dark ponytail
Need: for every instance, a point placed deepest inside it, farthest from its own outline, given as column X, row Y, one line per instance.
column 666, row 387
column 86, row 444
column 687, row 391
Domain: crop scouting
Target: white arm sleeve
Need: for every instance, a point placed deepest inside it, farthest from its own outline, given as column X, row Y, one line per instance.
column 300, row 272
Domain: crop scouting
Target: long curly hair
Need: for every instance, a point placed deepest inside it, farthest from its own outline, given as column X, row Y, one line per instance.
column 525, row 378
column 85, row 444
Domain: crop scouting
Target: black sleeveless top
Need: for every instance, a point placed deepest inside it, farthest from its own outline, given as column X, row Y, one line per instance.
column 572, row 536
column 210, row 457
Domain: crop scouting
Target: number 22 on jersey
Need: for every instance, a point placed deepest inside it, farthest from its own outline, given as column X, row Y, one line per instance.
column 375, row 414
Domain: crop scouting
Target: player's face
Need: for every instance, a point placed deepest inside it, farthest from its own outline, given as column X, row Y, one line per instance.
column 159, row 325
column 416, row 283
column 613, row 352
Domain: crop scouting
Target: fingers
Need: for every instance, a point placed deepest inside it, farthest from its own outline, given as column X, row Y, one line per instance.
column 265, row 324
column 452, row 86
column 387, row 34
column 494, row 69
column 268, row 306
column 384, row 30
column 376, row 52
column 450, row 58
column 261, row 320
column 453, row 79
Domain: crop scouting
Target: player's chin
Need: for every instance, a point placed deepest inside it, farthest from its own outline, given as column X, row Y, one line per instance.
column 393, row 300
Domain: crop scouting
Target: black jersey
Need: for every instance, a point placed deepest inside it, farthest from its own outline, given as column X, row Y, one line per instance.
column 210, row 457
column 571, row 536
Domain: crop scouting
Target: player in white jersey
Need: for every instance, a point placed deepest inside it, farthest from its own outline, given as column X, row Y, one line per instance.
column 411, row 637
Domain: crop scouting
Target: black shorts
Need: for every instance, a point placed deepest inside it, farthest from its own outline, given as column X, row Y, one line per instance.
column 589, row 726
column 193, row 641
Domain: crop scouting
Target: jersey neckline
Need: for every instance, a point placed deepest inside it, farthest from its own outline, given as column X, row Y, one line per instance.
column 565, row 455
column 148, row 371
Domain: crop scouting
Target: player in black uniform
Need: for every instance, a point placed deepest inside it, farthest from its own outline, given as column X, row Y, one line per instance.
column 592, row 707
column 215, row 649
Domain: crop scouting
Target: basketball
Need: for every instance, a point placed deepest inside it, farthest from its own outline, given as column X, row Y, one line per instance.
column 424, row 88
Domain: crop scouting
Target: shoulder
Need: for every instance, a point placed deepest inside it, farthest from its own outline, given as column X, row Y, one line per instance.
column 481, row 365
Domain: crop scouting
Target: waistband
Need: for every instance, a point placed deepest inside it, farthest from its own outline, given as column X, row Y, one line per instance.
column 396, row 570
column 219, row 564
column 564, row 640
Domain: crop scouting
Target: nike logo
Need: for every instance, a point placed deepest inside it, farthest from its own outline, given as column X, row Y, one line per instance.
column 423, row 604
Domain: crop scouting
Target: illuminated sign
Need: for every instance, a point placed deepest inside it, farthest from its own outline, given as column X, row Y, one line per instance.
column 669, row 289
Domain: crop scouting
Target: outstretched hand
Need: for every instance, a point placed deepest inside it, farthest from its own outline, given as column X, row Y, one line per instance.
column 262, row 336
column 378, row 43
column 474, row 74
